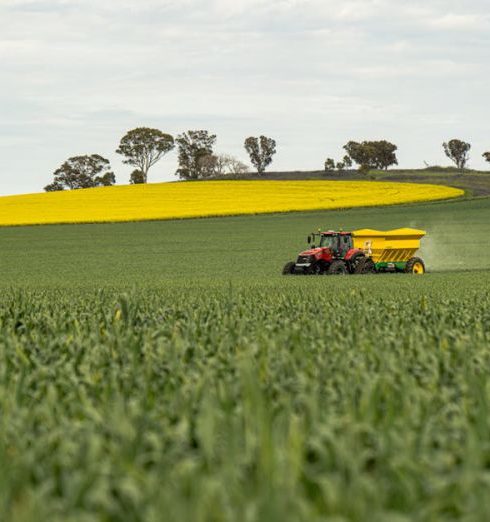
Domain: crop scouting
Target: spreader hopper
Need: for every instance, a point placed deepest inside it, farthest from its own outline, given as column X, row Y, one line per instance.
column 389, row 247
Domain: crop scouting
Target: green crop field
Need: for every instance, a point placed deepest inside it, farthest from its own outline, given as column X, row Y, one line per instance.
column 166, row 371
column 221, row 249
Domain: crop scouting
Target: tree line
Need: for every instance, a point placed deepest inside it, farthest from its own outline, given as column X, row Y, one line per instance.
column 143, row 147
column 381, row 155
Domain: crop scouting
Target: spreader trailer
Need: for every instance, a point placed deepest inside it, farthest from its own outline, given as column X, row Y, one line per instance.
column 360, row 252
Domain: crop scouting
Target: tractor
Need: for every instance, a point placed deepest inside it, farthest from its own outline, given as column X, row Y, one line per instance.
column 359, row 252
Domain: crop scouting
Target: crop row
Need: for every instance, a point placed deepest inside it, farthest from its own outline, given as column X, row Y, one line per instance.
column 246, row 402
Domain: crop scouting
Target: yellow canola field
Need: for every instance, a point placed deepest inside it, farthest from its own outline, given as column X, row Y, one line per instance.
column 207, row 198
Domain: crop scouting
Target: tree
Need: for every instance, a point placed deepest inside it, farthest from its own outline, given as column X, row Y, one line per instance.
column 235, row 166
column 209, row 166
column 225, row 164
column 137, row 177
column 486, row 155
column 329, row 164
column 54, row 187
column 340, row 165
column 82, row 172
column 372, row 154
column 143, row 147
column 458, row 152
column 260, row 151
column 194, row 146
column 222, row 164
column 347, row 162
column 359, row 153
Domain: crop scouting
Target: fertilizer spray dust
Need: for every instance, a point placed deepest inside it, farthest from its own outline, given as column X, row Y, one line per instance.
column 439, row 248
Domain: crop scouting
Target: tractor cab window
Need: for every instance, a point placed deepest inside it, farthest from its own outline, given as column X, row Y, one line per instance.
column 345, row 243
column 328, row 242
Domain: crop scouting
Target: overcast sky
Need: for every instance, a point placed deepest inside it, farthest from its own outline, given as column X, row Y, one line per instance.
column 77, row 74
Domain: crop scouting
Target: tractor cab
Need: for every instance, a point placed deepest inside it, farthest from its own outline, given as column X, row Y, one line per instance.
column 339, row 243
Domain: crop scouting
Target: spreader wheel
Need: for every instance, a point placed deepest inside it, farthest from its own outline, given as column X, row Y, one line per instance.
column 288, row 268
column 337, row 267
column 416, row 266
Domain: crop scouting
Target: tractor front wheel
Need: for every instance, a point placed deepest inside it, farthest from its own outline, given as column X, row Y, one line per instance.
column 289, row 268
column 416, row 266
column 337, row 267
column 316, row 269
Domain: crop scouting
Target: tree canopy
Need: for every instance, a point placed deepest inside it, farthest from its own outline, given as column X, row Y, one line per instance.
column 329, row 164
column 82, row 172
column 195, row 152
column 261, row 150
column 137, row 177
column 372, row 154
column 143, row 147
column 458, row 152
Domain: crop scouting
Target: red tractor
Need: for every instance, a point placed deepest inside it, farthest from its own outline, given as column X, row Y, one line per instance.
column 331, row 253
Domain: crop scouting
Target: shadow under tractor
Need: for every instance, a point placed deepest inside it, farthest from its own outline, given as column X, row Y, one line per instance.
column 360, row 252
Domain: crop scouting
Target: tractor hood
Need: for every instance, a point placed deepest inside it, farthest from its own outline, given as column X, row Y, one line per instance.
column 314, row 251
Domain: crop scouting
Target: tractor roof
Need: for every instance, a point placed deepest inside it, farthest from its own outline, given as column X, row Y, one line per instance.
column 334, row 233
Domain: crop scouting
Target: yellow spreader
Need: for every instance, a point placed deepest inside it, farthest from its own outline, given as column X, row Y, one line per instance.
column 392, row 248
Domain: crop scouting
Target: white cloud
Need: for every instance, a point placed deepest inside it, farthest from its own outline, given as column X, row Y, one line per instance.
column 312, row 73
column 460, row 21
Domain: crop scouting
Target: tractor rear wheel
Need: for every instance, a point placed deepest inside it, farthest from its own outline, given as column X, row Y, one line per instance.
column 289, row 268
column 355, row 261
column 365, row 266
column 416, row 266
column 337, row 267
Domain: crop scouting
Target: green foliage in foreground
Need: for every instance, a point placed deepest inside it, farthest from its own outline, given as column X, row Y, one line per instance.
column 328, row 397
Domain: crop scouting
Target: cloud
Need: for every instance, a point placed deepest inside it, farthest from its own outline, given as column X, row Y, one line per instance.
column 466, row 22
column 312, row 73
